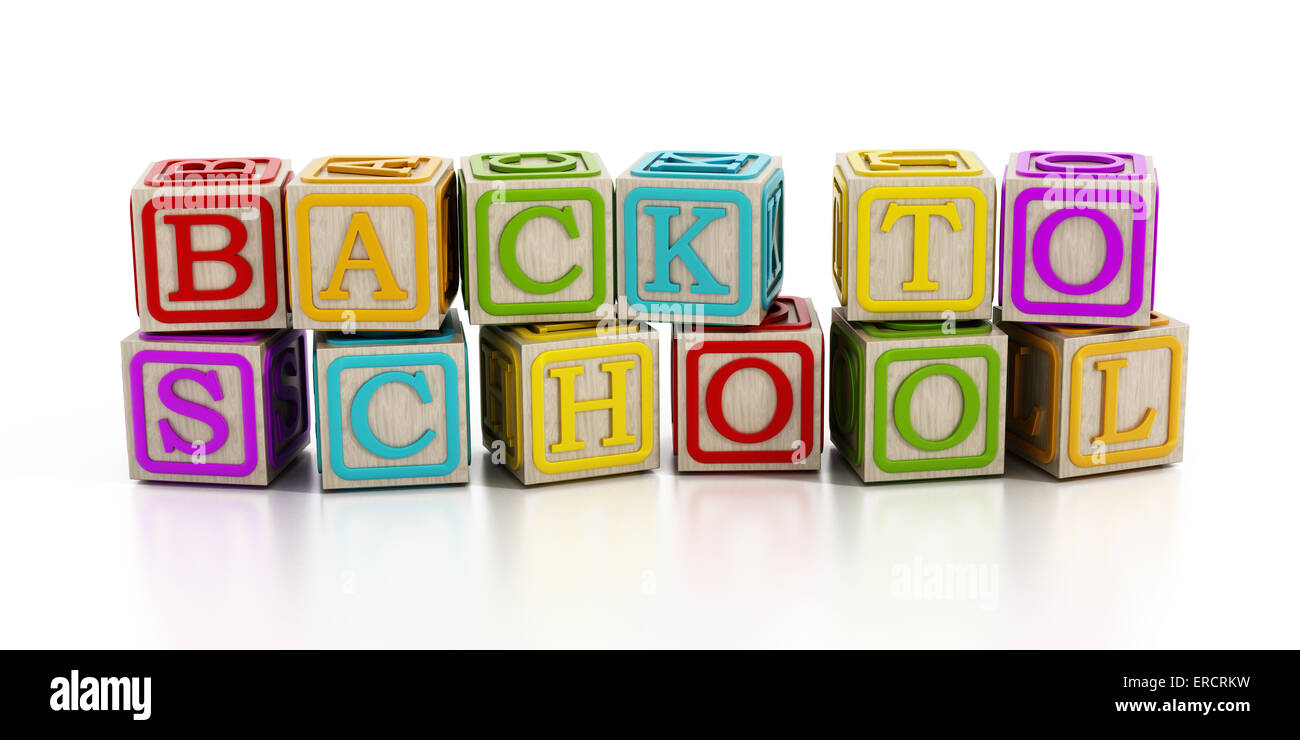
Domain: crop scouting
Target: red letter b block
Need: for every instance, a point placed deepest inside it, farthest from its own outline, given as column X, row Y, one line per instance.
column 208, row 242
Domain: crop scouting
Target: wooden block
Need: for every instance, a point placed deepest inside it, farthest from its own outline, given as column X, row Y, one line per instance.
column 568, row 401
column 913, row 234
column 1087, row 400
column 750, row 398
column 208, row 243
column 215, row 408
column 1079, row 238
column 372, row 243
column 392, row 407
column 918, row 399
column 700, row 237
column 539, row 236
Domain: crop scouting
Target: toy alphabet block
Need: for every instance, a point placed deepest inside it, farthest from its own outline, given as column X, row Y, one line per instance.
column 918, row 399
column 913, row 234
column 539, row 237
column 750, row 398
column 372, row 243
column 208, row 242
column 1087, row 400
column 568, row 401
column 1078, row 238
column 392, row 407
column 700, row 237
column 215, row 408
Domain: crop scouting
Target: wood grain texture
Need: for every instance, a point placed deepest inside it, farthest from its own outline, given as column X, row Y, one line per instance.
column 236, row 397
column 1078, row 249
column 540, row 392
column 544, row 250
column 717, row 246
column 243, row 203
column 890, row 254
column 1143, row 386
column 748, row 397
column 936, row 407
column 397, row 231
column 396, row 414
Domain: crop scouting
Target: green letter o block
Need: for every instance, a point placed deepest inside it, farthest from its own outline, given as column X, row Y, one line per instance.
column 903, row 401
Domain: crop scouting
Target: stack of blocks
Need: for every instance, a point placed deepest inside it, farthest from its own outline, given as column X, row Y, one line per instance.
column 919, row 374
column 563, row 266
column 568, row 366
column 362, row 249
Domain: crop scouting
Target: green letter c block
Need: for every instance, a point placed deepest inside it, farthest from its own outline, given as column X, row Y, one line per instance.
column 903, row 408
column 510, row 263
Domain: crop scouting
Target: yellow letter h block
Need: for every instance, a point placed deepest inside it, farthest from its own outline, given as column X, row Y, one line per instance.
column 563, row 401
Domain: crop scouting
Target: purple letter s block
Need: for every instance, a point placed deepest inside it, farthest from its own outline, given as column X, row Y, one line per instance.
column 220, row 425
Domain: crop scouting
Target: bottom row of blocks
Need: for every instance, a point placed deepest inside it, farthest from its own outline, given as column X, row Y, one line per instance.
column 565, row 401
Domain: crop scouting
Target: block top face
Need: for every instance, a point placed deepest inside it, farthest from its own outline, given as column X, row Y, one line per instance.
column 535, row 165
column 214, row 171
column 787, row 313
column 245, row 338
column 925, row 329
column 446, row 333
column 1158, row 321
column 701, row 165
column 1070, row 164
column 563, row 331
column 914, row 163
column 396, row 170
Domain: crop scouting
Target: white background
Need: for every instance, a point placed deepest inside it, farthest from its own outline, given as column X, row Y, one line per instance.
column 1198, row 554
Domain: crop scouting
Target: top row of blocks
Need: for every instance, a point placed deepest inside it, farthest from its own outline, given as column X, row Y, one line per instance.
column 914, row 236
column 377, row 243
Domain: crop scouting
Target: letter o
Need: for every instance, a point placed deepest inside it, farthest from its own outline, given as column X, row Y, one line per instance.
column 780, row 416
column 970, row 401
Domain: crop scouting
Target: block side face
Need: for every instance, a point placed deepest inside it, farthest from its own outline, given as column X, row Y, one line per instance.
column 539, row 250
column 209, row 257
column 287, row 408
column 393, row 414
column 370, row 256
column 501, row 389
column 840, row 242
column 1124, row 400
column 1078, row 252
column 848, row 391
column 1034, row 383
column 935, row 407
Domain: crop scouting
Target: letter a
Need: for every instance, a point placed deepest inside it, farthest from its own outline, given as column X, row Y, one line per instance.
column 375, row 261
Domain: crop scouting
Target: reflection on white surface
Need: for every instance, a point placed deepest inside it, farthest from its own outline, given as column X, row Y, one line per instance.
column 655, row 559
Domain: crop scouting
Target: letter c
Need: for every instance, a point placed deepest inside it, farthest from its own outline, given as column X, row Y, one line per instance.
column 361, row 414
column 510, row 263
